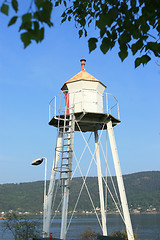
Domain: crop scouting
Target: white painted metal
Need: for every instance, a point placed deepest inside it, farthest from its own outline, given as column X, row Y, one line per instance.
column 100, row 184
column 64, row 210
column 106, row 183
column 82, row 96
column 89, row 98
column 120, row 182
column 83, row 102
column 67, row 178
column 45, row 177
column 48, row 198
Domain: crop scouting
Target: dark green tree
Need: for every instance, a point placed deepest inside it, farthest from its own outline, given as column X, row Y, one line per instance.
column 88, row 234
column 123, row 235
column 134, row 25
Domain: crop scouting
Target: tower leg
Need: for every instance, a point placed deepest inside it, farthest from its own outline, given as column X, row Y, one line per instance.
column 100, row 184
column 120, row 182
column 49, row 196
column 106, row 192
column 64, row 210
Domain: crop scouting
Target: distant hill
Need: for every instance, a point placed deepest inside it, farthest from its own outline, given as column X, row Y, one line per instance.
column 143, row 192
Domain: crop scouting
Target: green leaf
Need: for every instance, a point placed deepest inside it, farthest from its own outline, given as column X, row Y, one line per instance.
column 64, row 19
column 57, row 4
column 39, row 3
column 137, row 62
column 137, row 46
column 27, row 17
column 85, row 32
column 80, row 33
column 158, row 26
column 36, row 25
column 142, row 60
column 36, row 34
column 5, row 9
column 15, row 5
column 47, row 8
column 145, row 27
column 89, row 22
column 136, row 34
column 12, row 21
column 145, row 59
column 65, row 4
column 112, row 44
column 114, row 35
column 133, row 3
column 154, row 47
column 41, row 34
column 102, row 32
column 25, row 37
column 123, row 54
column 105, row 45
column 100, row 23
column 106, row 19
column 82, row 22
column 63, row 15
column 92, row 44
column 26, row 22
column 124, row 38
column 44, row 15
column 113, row 13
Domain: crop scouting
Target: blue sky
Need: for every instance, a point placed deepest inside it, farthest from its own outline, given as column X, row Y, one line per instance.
column 30, row 78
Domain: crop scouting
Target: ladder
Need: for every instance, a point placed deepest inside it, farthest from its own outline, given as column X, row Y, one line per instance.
column 67, row 149
column 66, row 165
column 63, row 150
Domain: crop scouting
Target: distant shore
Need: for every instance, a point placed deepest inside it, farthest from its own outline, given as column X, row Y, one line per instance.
column 3, row 217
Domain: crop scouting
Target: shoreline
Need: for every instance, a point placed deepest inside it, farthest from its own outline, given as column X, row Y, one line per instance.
column 83, row 214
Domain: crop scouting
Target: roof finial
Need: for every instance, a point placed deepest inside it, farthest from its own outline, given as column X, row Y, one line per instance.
column 83, row 60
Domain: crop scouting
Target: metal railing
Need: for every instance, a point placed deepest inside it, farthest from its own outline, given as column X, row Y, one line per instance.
column 111, row 105
column 61, row 103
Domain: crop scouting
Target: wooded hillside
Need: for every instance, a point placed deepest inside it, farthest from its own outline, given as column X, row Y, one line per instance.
column 143, row 192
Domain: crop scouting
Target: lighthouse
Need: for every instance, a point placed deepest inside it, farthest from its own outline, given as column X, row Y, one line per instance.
column 82, row 106
column 84, row 92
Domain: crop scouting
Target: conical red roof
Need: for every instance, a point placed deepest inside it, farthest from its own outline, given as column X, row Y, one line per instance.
column 82, row 75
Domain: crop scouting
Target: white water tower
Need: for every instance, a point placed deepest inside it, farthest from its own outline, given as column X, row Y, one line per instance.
column 82, row 106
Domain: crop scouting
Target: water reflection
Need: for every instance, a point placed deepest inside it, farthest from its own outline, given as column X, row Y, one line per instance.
column 146, row 226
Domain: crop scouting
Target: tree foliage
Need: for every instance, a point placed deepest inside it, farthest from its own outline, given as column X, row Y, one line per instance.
column 88, row 234
column 142, row 189
column 21, row 228
column 133, row 24
column 123, row 235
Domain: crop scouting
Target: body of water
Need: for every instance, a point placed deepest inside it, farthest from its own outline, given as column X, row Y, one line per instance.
column 146, row 226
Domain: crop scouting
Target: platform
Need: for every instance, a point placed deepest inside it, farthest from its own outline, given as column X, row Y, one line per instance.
column 87, row 121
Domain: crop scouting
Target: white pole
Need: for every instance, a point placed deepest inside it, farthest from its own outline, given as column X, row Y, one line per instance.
column 100, row 184
column 107, row 102
column 49, row 196
column 55, row 107
column 120, row 182
column 45, row 178
column 64, row 210
column 106, row 180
